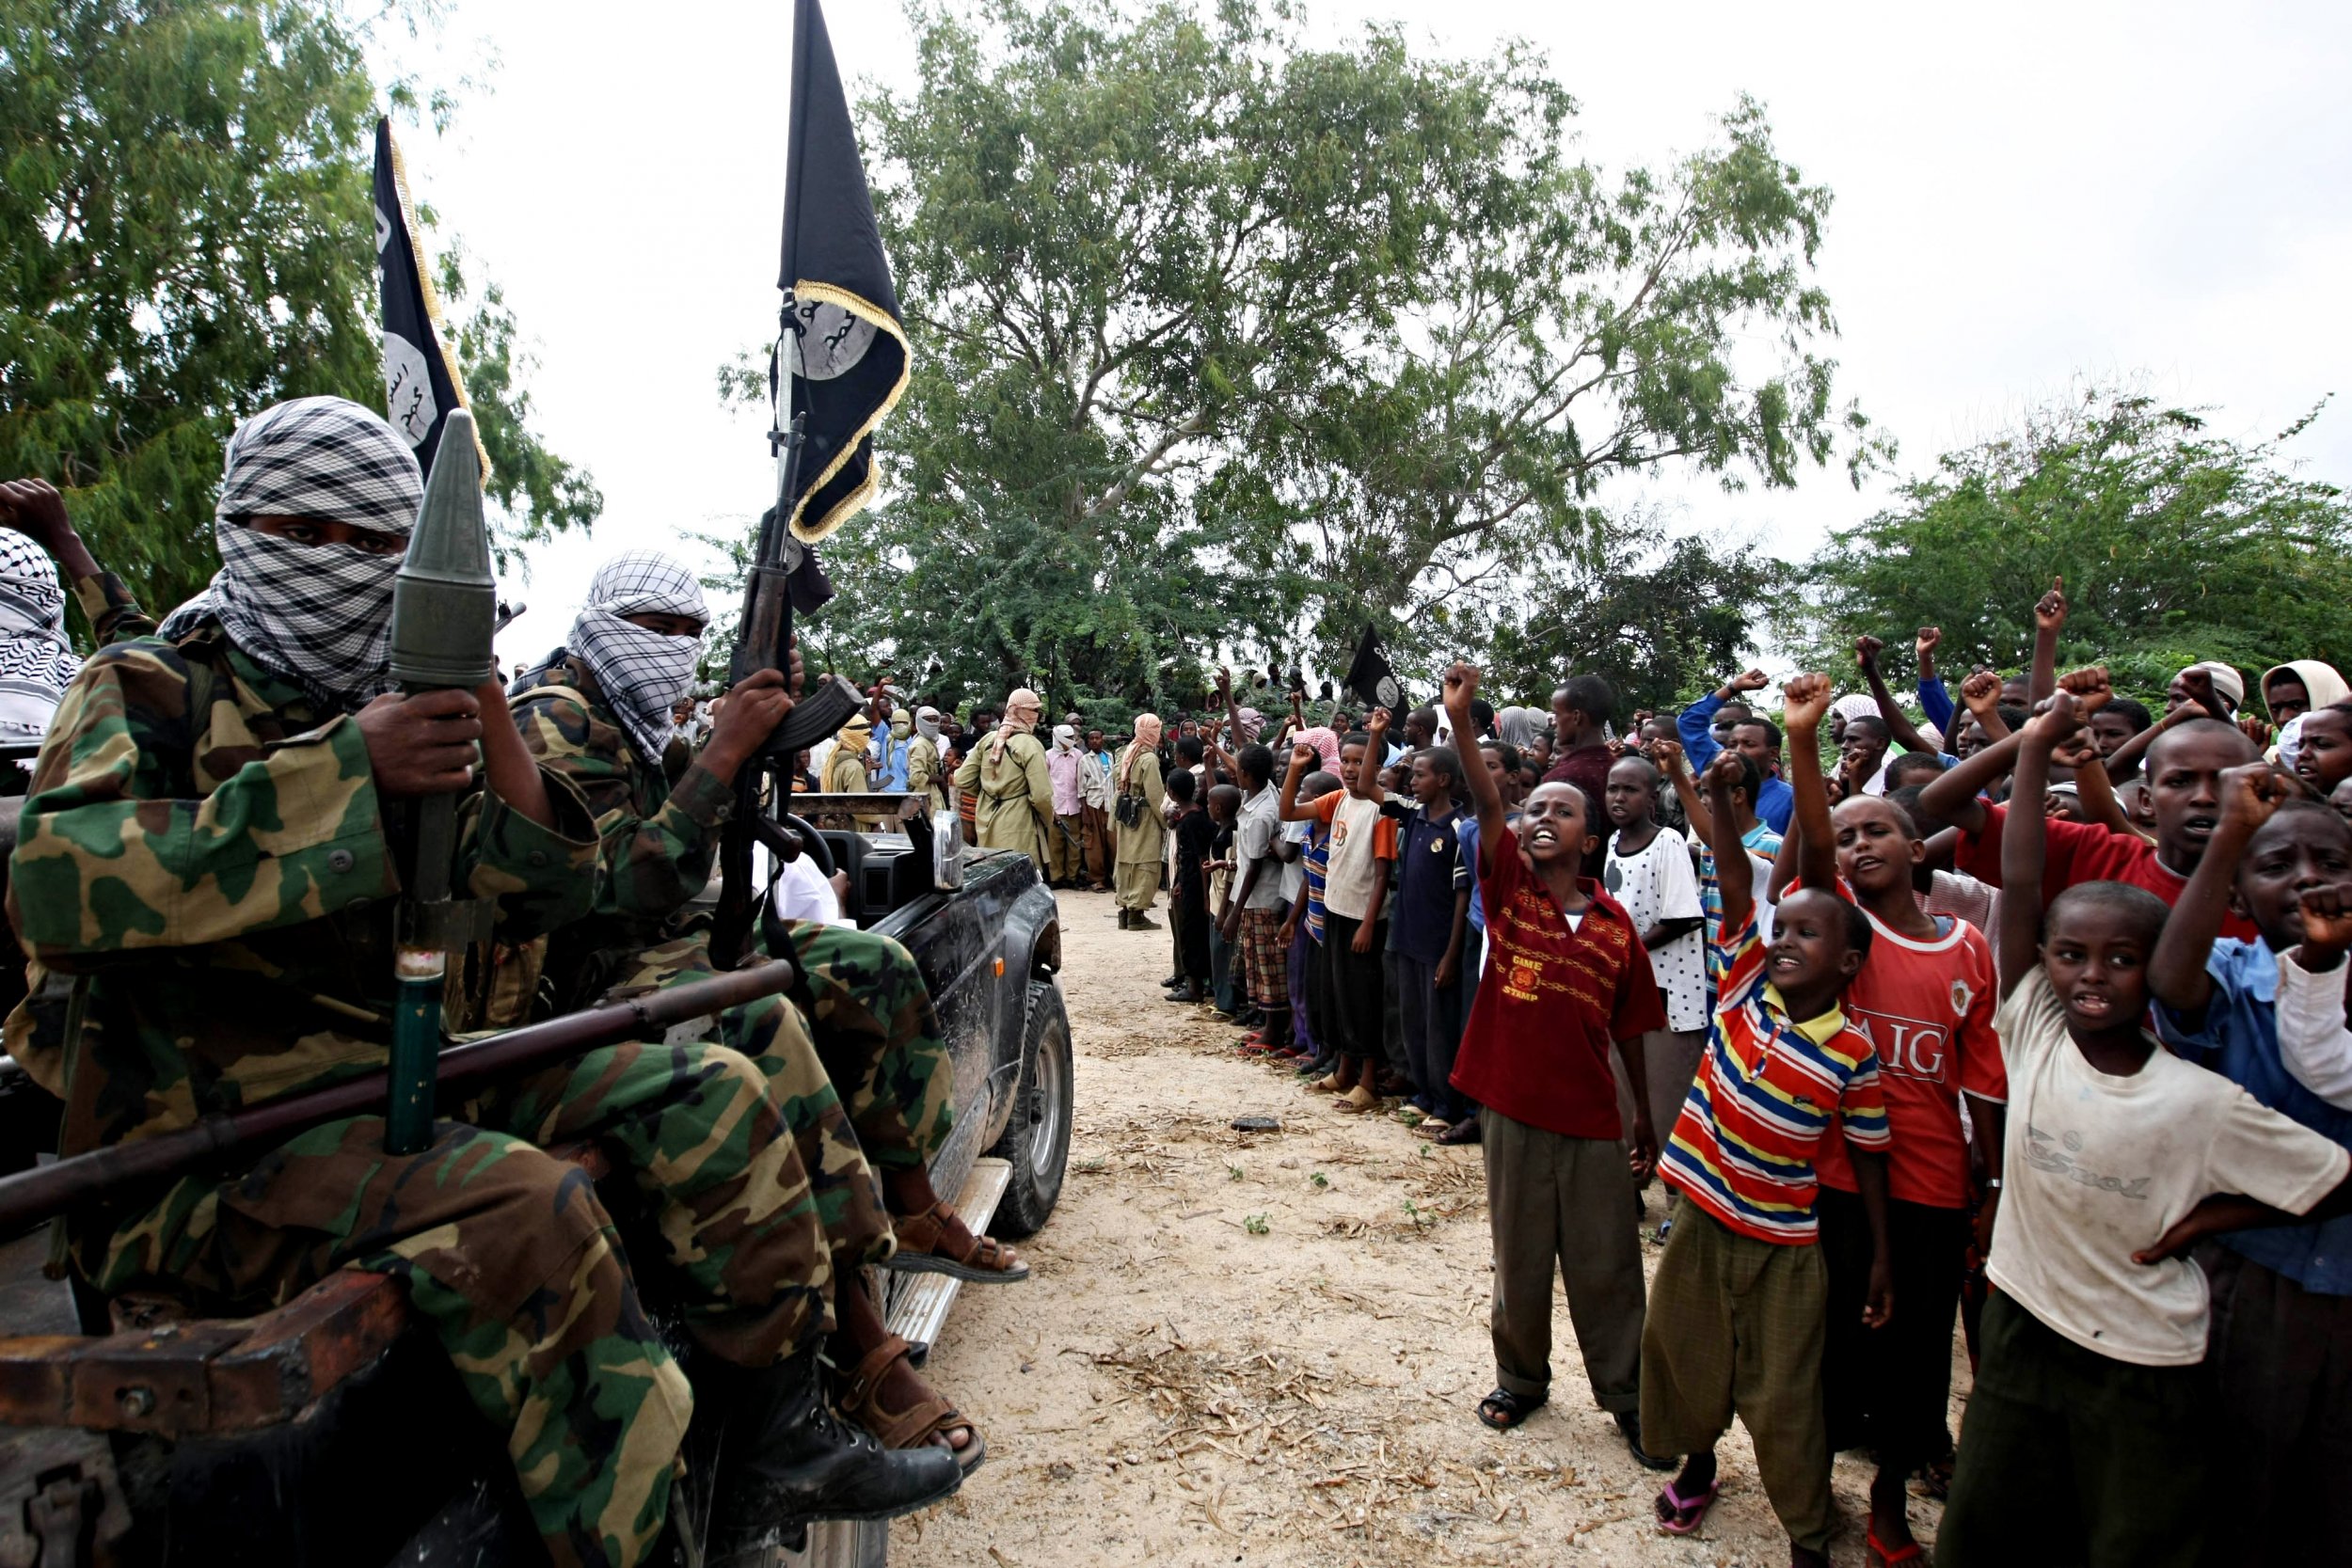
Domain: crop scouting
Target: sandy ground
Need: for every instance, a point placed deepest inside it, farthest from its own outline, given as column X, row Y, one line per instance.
column 1266, row 1348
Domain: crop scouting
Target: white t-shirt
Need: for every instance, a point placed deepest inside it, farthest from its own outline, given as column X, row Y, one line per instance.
column 1256, row 830
column 2097, row 1167
column 1295, row 869
column 1348, row 875
column 1657, row 884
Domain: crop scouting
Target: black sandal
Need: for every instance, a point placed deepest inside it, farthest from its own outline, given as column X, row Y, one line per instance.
column 1502, row 1409
column 1463, row 1132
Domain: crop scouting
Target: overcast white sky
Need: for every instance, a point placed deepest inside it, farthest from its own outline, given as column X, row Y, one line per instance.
column 2025, row 194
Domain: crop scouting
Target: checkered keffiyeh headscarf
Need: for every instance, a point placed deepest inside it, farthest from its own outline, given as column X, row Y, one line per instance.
column 643, row 672
column 37, row 664
column 319, row 614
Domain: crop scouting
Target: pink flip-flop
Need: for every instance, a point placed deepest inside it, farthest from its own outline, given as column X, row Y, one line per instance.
column 1688, row 1513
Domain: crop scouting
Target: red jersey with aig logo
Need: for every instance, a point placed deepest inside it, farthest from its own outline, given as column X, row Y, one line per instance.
column 1927, row 1008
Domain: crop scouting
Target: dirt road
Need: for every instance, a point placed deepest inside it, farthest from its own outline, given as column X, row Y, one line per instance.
column 1266, row 1348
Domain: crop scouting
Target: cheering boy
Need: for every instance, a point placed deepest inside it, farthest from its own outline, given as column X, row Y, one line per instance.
column 1565, row 975
column 1924, row 997
column 2269, row 1016
column 1739, row 1303
column 2088, row 1437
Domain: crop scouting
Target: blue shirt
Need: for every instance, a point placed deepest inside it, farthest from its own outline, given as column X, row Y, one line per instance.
column 892, row 753
column 2239, row 1040
column 1775, row 802
column 1936, row 703
column 1421, row 907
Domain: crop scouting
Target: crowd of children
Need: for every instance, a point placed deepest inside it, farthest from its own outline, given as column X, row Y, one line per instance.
column 2045, row 1035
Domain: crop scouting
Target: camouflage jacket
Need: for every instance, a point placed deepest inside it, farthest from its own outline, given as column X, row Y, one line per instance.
column 656, row 839
column 208, row 857
column 115, row 616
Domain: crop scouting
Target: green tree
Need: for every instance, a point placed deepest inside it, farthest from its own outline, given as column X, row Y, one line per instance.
column 1223, row 340
column 183, row 185
column 1573, row 328
column 2175, row 544
column 1662, row 619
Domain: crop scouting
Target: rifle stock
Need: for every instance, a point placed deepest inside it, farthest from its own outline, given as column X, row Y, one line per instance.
column 464, row 1070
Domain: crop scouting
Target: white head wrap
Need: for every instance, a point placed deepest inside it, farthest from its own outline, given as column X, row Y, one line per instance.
column 1065, row 737
column 37, row 664
column 643, row 672
column 927, row 725
column 320, row 615
column 1855, row 704
column 2227, row 683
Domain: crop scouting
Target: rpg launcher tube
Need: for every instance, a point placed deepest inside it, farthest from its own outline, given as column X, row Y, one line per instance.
column 444, row 620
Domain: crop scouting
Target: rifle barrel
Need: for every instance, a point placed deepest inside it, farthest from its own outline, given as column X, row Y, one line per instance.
column 465, row 1069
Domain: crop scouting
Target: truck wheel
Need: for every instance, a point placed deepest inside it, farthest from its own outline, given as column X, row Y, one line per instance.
column 1037, row 1139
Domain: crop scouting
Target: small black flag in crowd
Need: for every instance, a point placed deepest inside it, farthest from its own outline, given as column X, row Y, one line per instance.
column 1370, row 677
column 842, row 349
column 421, row 384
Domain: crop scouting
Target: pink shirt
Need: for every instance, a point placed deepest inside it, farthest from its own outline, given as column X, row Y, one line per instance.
column 1063, row 766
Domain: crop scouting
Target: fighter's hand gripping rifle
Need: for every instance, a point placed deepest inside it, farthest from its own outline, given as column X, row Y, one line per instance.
column 764, row 641
column 445, row 613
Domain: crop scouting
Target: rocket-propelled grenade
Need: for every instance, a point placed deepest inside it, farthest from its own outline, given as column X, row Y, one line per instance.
column 444, row 618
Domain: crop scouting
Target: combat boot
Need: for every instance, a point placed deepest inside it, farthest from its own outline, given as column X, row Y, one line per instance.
column 783, row 1460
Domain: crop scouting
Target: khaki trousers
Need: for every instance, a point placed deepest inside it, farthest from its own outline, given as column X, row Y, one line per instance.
column 1564, row 1203
column 1065, row 851
column 1097, row 846
column 1736, row 1325
column 1138, row 884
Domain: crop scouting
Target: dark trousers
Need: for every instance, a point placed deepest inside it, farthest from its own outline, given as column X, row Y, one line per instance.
column 1224, row 973
column 1888, row 1389
column 1355, row 986
column 2280, row 1360
column 1302, row 966
column 1191, row 923
column 1430, row 1017
column 1330, row 1039
column 2076, row 1460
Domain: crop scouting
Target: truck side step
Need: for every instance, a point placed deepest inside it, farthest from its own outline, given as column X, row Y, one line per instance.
column 917, row 1313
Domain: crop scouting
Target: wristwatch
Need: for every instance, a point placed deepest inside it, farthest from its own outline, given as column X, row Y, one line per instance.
column 1993, row 1184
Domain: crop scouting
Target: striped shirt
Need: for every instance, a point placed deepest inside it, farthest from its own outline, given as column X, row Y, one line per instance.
column 1767, row 1091
column 1316, row 857
column 1763, row 848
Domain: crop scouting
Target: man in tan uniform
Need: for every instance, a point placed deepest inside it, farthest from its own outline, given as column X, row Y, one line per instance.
column 1015, row 792
column 926, row 771
column 1137, row 792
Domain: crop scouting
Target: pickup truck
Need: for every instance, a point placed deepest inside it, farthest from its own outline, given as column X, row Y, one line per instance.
column 330, row 1432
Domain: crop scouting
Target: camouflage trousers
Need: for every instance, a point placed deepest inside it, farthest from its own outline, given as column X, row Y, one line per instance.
column 855, row 1063
column 510, row 1257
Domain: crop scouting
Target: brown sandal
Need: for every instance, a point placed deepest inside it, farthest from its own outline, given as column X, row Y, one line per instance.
column 979, row 1260
column 927, row 1422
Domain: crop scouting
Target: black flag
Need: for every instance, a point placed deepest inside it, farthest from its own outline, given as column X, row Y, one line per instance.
column 421, row 384
column 1370, row 677
column 842, row 349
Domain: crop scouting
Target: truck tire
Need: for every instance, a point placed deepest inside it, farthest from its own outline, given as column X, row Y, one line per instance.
column 1036, row 1140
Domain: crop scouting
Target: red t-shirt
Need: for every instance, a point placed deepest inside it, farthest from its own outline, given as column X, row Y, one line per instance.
column 1927, row 1007
column 2085, row 853
column 1552, row 1002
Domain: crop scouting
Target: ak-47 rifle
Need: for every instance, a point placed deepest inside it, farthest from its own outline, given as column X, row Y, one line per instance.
column 764, row 641
column 227, row 1138
column 445, row 615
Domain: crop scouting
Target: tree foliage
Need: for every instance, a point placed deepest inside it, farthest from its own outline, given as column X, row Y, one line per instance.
column 1575, row 328
column 1661, row 618
column 183, row 185
column 1223, row 342
column 2176, row 545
